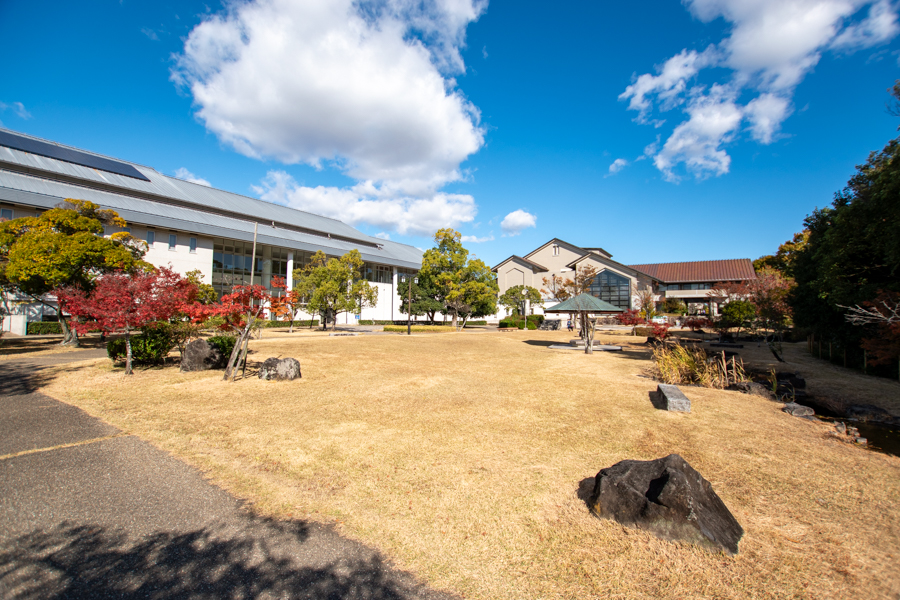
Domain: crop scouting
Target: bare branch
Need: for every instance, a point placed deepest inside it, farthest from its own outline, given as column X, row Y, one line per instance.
column 889, row 314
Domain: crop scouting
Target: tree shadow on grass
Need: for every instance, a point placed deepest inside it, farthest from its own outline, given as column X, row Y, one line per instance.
column 90, row 561
column 19, row 380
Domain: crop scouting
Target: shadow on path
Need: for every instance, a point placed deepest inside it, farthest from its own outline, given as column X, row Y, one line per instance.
column 84, row 561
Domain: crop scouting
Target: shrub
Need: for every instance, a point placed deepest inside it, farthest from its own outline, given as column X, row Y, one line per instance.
column 225, row 344
column 531, row 326
column 44, row 328
column 630, row 317
column 421, row 328
column 674, row 306
column 536, row 319
column 696, row 323
column 691, row 366
column 149, row 348
column 513, row 321
column 660, row 330
column 307, row 323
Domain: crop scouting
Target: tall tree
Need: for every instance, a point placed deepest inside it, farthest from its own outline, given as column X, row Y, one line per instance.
column 287, row 302
column 423, row 296
column 460, row 284
column 128, row 302
column 332, row 286
column 65, row 247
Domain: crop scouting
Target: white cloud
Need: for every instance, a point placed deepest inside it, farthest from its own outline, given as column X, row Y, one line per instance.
column 182, row 173
column 383, row 236
column 18, row 108
column 367, row 203
column 150, row 33
column 766, row 113
column 617, row 165
column 771, row 47
column 518, row 220
column 713, row 120
column 364, row 86
column 477, row 240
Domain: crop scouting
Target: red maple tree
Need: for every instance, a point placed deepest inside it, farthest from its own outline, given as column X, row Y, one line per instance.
column 239, row 310
column 127, row 302
column 287, row 303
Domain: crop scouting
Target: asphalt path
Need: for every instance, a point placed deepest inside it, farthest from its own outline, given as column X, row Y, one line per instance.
column 87, row 511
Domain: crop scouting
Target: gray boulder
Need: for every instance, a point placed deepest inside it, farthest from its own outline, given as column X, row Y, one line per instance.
column 280, row 369
column 798, row 410
column 669, row 397
column 200, row 355
column 669, row 498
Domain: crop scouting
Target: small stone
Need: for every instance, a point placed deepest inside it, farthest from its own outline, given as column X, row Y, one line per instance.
column 862, row 441
column 281, row 369
column 672, row 398
column 798, row 410
column 841, row 428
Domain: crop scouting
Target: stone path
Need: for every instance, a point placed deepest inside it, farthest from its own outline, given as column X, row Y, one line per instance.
column 87, row 511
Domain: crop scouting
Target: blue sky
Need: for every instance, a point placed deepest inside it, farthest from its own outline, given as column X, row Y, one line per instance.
column 730, row 119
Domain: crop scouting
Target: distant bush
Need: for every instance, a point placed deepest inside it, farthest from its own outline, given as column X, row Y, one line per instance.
column 306, row 323
column 513, row 321
column 536, row 319
column 674, row 306
column 225, row 344
column 630, row 317
column 696, row 323
column 532, row 326
column 45, row 328
column 149, row 348
column 421, row 328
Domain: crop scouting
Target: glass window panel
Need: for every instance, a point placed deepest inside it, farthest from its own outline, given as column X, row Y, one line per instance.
column 151, row 237
column 173, row 240
column 229, row 262
column 193, row 245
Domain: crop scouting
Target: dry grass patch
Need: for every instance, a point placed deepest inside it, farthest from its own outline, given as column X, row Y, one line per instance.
column 462, row 457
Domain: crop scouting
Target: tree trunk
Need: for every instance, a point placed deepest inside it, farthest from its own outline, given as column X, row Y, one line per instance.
column 465, row 320
column 236, row 352
column 70, row 336
column 455, row 316
column 588, row 333
column 127, row 351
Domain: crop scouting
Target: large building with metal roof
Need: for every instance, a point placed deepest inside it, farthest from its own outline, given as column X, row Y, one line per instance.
column 191, row 226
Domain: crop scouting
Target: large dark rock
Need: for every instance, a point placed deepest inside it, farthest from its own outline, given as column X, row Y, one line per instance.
column 200, row 355
column 280, row 369
column 669, row 397
column 798, row 410
column 752, row 388
column 667, row 497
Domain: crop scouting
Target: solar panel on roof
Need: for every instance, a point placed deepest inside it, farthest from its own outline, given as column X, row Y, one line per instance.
column 18, row 142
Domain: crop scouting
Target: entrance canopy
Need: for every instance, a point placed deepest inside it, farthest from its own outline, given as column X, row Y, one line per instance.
column 584, row 303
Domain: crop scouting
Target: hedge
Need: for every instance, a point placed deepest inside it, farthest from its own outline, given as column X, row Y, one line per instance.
column 312, row 323
column 44, row 328
column 421, row 328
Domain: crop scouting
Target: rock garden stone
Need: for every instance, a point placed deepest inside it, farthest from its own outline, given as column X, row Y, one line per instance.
column 798, row 410
column 669, row 498
column 200, row 355
column 752, row 388
column 281, row 369
column 669, row 397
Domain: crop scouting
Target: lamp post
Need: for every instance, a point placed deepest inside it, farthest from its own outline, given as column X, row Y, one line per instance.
column 524, row 306
column 404, row 279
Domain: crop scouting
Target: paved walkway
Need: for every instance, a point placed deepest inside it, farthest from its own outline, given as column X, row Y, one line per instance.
column 87, row 511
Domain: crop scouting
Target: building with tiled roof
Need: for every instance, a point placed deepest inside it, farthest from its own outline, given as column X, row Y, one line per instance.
column 618, row 283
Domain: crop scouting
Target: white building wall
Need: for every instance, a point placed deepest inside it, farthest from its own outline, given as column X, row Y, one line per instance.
column 180, row 258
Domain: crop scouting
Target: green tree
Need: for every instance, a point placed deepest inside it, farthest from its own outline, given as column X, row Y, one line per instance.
column 205, row 293
column 65, row 247
column 424, row 293
column 332, row 286
column 515, row 297
column 737, row 313
column 461, row 285
column 852, row 253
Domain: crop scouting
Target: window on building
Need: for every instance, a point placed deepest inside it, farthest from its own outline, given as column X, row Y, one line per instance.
column 555, row 250
column 126, row 229
column 6, row 213
column 173, row 241
column 613, row 288
column 193, row 246
column 151, row 237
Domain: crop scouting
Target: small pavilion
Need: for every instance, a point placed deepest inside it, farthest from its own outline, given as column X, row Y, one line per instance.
column 587, row 307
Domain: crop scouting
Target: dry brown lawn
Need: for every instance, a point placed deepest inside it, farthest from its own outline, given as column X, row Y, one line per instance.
column 462, row 457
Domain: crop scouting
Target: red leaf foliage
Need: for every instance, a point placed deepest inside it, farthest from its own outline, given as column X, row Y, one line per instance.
column 630, row 317
column 127, row 301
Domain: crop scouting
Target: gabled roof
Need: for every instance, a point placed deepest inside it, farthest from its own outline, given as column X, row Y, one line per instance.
column 559, row 241
column 584, row 303
column 600, row 251
column 594, row 254
column 533, row 264
column 738, row 269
